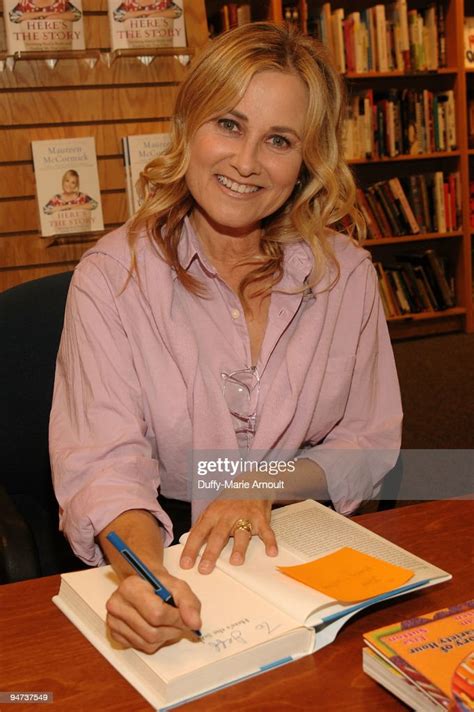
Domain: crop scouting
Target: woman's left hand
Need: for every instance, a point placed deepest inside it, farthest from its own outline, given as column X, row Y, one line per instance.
column 217, row 524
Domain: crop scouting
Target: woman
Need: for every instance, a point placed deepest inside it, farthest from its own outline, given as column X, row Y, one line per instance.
column 228, row 316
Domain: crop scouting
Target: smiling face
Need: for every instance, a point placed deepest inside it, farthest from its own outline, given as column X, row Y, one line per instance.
column 70, row 183
column 244, row 163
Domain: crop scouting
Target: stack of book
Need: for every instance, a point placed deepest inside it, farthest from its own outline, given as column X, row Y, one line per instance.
column 426, row 203
column 399, row 122
column 428, row 662
column 415, row 283
column 384, row 38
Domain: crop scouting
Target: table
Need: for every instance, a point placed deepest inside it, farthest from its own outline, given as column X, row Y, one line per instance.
column 41, row 650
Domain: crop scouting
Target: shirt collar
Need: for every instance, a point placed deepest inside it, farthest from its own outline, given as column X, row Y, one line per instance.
column 190, row 248
column 298, row 258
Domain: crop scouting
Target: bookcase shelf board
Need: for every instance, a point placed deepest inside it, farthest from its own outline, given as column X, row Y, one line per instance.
column 406, row 157
column 396, row 73
column 412, row 238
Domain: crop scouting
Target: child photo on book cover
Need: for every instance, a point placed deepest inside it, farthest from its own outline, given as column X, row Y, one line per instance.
column 71, row 197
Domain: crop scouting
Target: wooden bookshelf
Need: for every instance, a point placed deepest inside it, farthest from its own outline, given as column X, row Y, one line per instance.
column 454, row 246
column 88, row 93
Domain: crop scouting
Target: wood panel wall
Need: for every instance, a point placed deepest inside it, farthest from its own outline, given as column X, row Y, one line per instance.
column 73, row 100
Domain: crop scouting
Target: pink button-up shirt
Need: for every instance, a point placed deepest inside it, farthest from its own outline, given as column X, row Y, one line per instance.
column 139, row 385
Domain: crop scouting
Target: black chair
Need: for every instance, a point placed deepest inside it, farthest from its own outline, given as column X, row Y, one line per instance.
column 31, row 319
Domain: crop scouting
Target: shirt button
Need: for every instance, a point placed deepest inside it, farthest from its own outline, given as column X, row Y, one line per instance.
column 235, row 313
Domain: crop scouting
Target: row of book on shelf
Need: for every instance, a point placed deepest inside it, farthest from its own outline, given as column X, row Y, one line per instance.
column 384, row 38
column 67, row 180
column 422, row 203
column 57, row 25
column 407, row 121
column 415, row 283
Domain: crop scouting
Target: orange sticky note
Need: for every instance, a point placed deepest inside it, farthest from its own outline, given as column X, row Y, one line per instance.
column 349, row 576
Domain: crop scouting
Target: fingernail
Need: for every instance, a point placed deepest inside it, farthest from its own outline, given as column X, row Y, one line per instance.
column 272, row 551
column 186, row 562
column 236, row 558
column 205, row 567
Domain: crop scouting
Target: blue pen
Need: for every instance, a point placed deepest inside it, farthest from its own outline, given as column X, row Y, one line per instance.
column 143, row 571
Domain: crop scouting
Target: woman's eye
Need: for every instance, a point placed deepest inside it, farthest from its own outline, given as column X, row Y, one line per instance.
column 279, row 141
column 228, row 124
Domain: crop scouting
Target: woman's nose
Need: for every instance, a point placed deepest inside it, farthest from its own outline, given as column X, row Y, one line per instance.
column 246, row 158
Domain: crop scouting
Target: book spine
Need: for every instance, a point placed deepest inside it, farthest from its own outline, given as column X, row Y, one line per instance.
column 244, row 14
column 394, row 276
column 412, row 283
column 421, row 271
column 415, row 201
column 392, row 207
column 439, row 202
column 441, row 34
column 372, row 227
column 379, row 213
column 424, row 288
column 451, row 121
column 398, row 191
column 388, row 300
column 275, row 11
column 381, row 30
column 425, row 203
column 440, row 277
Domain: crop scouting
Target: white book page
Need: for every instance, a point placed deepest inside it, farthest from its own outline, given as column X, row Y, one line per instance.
column 233, row 621
column 310, row 530
column 307, row 531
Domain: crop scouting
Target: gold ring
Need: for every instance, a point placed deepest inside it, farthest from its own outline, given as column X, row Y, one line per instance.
column 244, row 525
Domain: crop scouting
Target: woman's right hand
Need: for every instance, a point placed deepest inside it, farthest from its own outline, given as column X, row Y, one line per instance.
column 138, row 618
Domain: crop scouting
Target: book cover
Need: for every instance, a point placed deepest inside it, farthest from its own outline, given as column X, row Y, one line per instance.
column 145, row 24
column 254, row 617
column 435, row 652
column 138, row 151
column 67, row 186
column 469, row 42
column 43, row 25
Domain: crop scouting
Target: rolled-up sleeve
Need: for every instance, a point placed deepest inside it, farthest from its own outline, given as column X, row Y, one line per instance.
column 101, row 450
column 364, row 445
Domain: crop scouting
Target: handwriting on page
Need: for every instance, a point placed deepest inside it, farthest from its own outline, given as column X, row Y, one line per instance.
column 236, row 635
column 349, row 575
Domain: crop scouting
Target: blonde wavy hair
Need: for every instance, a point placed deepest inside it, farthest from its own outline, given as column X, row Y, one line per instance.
column 324, row 195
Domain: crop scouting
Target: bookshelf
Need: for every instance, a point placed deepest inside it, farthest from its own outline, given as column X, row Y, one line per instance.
column 453, row 246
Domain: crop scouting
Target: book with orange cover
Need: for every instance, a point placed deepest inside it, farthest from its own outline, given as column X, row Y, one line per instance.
column 433, row 653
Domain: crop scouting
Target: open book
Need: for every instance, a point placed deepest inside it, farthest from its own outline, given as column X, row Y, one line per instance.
column 254, row 617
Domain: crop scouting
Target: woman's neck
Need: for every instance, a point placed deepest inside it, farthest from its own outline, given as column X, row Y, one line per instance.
column 226, row 247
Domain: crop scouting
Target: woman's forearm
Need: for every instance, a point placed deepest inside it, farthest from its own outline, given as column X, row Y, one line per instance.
column 141, row 531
